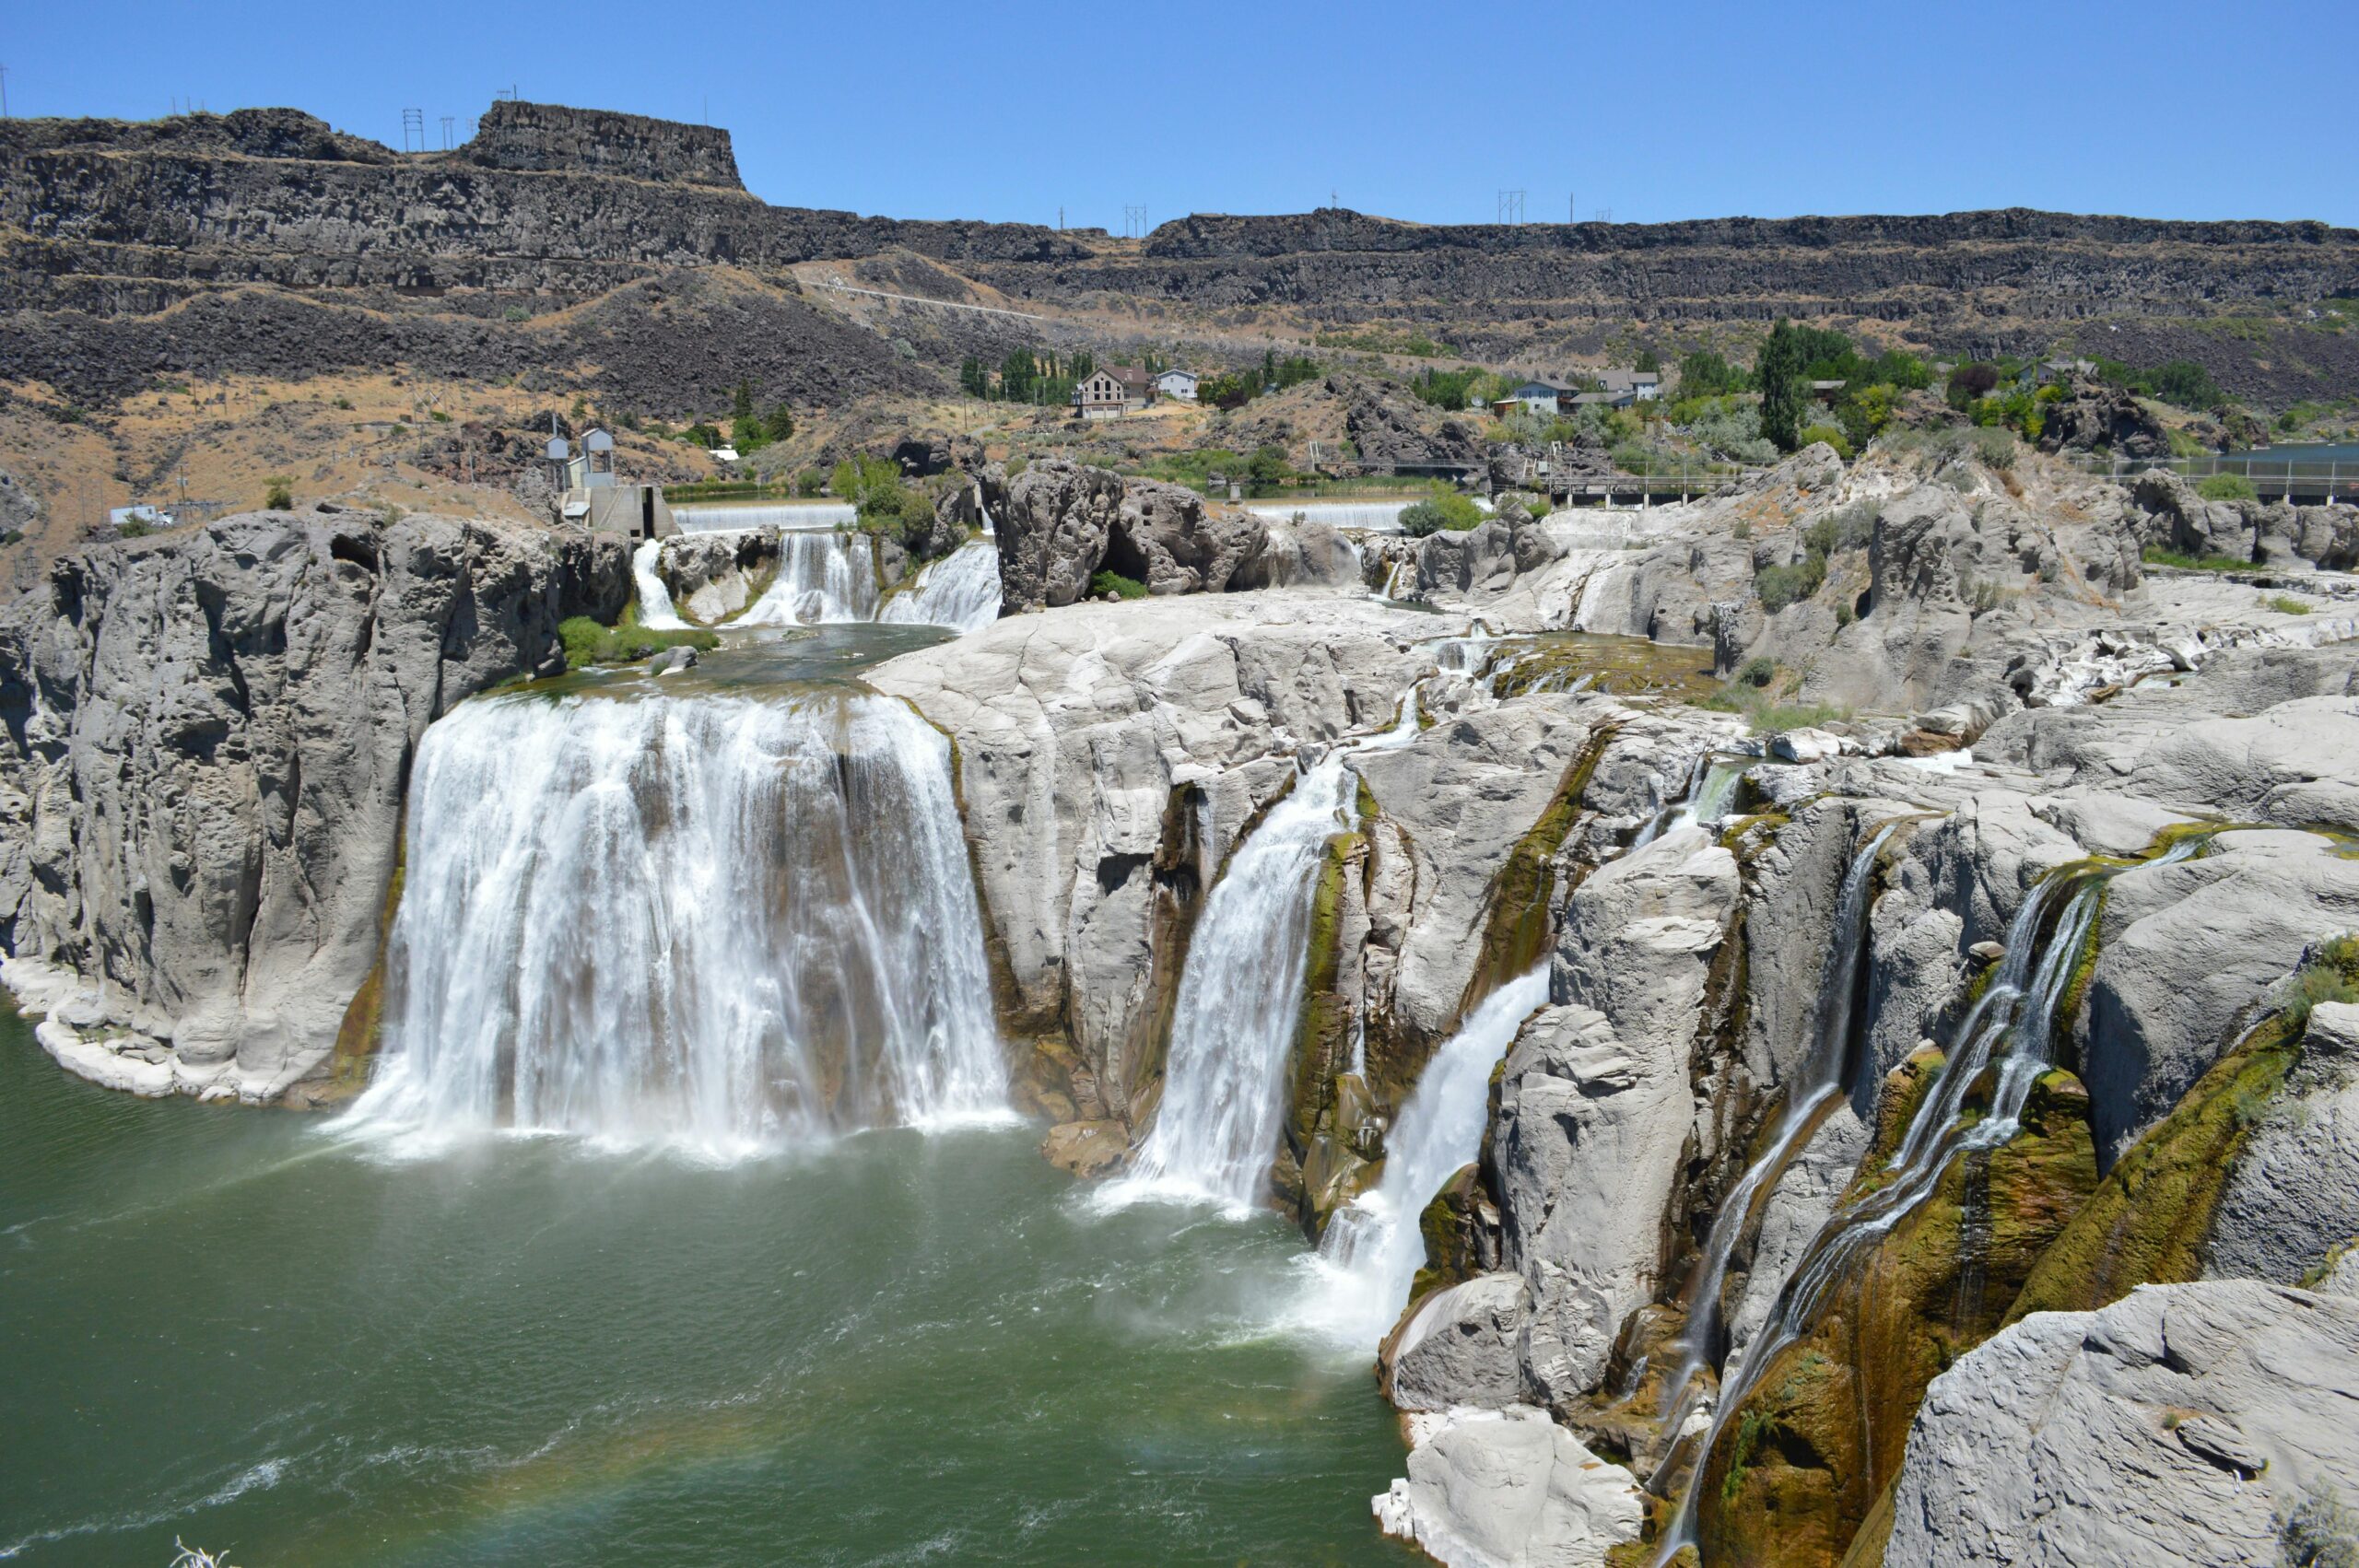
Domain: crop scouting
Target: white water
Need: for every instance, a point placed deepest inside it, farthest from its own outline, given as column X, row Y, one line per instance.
column 824, row 578
column 655, row 612
column 961, row 590
column 1373, row 516
column 714, row 923
column 1240, row 1000
column 1370, row 1255
column 725, row 519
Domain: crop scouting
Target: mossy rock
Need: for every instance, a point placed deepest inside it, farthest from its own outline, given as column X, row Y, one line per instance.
column 1455, row 1231
column 2147, row 1221
column 1818, row 1439
column 1515, row 905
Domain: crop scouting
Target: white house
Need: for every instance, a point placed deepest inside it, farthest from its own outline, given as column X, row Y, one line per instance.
column 1637, row 386
column 1540, row 397
column 1176, row 383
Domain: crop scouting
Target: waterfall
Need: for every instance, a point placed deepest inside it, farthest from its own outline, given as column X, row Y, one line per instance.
column 714, row 922
column 824, row 578
column 1239, row 1002
column 2014, row 1023
column 961, row 592
column 1370, row 1255
column 1240, row 998
column 655, row 612
column 1821, row 1079
column 729, row 518
column 1712, row 785
column 1374, row 517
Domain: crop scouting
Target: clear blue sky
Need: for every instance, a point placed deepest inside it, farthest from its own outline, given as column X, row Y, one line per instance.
column 1416, row 110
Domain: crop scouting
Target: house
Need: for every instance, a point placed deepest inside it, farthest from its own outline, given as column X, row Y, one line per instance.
column 1176, row 383
column 1827, row 393
column 1630, row 386
column 143, row 514
column 2064, row 371
column 1111, row 391
column 1540, row 397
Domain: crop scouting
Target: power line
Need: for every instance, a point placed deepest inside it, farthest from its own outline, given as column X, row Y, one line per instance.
column 1511, row 207
column 412, row 125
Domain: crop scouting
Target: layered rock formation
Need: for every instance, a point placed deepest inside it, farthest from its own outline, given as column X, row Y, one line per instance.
column 209, row 744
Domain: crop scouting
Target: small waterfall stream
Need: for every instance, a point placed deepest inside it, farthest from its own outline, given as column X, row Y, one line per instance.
column 1240, row 999
column 715, row 922
column 2013, row 1025
column 824, row 578
column 1822, row 1079
column 655, row 612
column 1369, row 1257
column 961, row 592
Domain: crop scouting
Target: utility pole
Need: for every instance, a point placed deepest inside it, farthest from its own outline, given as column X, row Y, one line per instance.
column 4, row 92
column 413, row 125
column 446, row 132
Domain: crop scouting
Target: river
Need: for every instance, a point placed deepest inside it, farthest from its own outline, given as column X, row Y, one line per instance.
column 299, row 1342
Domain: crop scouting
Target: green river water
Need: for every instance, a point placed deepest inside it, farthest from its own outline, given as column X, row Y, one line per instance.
column 232, row 1327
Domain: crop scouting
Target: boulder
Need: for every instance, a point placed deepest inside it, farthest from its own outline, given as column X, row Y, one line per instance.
column 2104, row 419
column 2185, row 1424
column 1459, row 1346
column 1168, row 538
column 1053, row 530
column 1510, row 1488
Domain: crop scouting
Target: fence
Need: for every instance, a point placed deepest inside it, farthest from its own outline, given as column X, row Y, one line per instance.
column 2304, row 481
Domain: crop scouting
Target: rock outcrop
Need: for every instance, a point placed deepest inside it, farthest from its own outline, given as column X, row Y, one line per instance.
column 2188, row 1425
column 209, row 740
column 1510, row 1488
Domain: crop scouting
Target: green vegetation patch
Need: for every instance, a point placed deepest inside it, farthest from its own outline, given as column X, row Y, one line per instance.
column 587, row 643
column 1118, row 585
column 2155, row 555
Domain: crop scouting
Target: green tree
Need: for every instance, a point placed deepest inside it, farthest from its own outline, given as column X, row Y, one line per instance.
column 1017, row 374
column 1083, row 366
column 780, row 423
column 1650, row 360
column 279, row 493
column 741, row 406
column 1706, row 374
column 973, row 378
column 1778, row 368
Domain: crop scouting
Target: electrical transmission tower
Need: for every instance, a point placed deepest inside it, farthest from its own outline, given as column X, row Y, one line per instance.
column 1133, row 222
column 1511, row 207
column 412, row 130
column 446, row 131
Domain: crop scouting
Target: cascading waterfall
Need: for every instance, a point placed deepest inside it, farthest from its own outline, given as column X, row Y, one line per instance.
column 824, row 578
column 1712, row 785
column 1240, row 999
column 961, row 592
column 714, row 922
column 2013, row 1024
column 1821, row 1079
column 655, row 610
column 1369, row 1257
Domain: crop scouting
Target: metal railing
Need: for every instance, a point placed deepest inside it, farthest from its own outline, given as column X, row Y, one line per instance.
column 2311, row 480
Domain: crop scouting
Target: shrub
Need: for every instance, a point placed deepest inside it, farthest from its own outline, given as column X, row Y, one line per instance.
column 1996, row 448
column 515, row 313
column 1443, row 511
column 134, row 529
column 587, row 642
column 1118, row 585
column 2155, row 555
column 1970, row 383
column 2319, row 1533
column 279, row 493
column 1830, row 435
column 1782, row 586
column 810, row 482
column 1758, row 671
column 2227, row 487
column 2285, row 604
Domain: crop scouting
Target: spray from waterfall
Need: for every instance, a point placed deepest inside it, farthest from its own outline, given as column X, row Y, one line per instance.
column 713, row 922
column 2013, row 1025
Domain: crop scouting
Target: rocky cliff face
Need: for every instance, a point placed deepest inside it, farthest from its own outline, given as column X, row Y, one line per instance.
column 208, row 740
